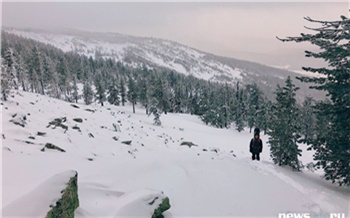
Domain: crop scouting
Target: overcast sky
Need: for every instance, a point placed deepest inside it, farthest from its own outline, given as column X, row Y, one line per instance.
column 241, row 30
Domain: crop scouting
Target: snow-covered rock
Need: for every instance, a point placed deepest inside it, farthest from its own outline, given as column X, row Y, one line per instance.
column 56, row 197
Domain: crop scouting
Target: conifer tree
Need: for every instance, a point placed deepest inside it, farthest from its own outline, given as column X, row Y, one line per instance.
column 239, row 109
column 21, row 73
column 132, row 92
column 284, row 128
column 122, row 91
column 155, row 111
column 332, row 146
column 254, row 104
column 100, row 95
column 88, row 94
column 7, row 76
column 75, row 94
column 113, row 93
column 307, row 119
column 143, row 95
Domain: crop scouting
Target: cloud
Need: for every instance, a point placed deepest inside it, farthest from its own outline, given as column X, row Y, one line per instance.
column 242, row 30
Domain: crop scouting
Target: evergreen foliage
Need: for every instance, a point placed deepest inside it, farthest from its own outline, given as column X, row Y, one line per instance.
column 331, row 141
column 284, row 130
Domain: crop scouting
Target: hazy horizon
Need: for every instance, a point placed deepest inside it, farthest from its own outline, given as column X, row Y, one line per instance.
column 244, row 31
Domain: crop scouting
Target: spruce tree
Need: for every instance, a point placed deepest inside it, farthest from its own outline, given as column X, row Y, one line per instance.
column 122, row 91
column 88, row 94
column 210, row 115
column 75, row 94
column 254, row 104
column 284, row 128
column 155, row 111
column 132, row 92
column 21, row 73
column 143, row 95
column 263, row 115
column 307, row 119
column 64, row 77
column 113, row 93
column 333, row 146
column 239, row 109
column 7, row 75
column 100, row 95
column 161, row 93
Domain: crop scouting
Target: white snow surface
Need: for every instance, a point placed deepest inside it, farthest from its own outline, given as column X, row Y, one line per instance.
column 37, row 202
column 216, row 178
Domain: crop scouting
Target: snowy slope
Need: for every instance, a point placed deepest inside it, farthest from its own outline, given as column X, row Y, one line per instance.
column 216, row 178
column 162, row 54
column 138, row 51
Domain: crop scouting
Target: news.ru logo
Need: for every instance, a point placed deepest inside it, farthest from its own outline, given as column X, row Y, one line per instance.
column 307, row 215
column 337, row 215
column 294, row 215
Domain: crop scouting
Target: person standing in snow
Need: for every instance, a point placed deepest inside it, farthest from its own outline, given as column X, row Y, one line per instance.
column 256, row 145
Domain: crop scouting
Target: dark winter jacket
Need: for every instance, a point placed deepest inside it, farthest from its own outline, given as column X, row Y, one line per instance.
column 256, row 146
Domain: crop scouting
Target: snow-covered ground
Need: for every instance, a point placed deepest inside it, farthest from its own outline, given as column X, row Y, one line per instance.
column 216, row 178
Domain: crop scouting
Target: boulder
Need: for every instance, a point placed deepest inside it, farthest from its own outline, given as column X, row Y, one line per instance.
column 75, row 106
column 189, row 144
column 41, row 133
column 78, row 120
column 164, row 206
column 19, row 120
column 142, row 203
column 127, row 142
column 76, row 128
column 58, row 122
column 69, row 201
column 53, row 147
column 55, row 197
column 116, row 127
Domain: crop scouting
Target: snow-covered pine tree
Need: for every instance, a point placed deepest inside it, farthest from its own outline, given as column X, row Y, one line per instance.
column 203, row 100
column 254, row 103
column 239, row 109
column 7, row 75
column 132, row 92
column 143, row 93
column 284, row 131
column 5, row 84
column 88, row 94
column 64, row 77
column 263, row 115
column 122, row 91
column 21, row 73
column 333, row 147
column 100, row 94
column 75, row 89
column 307, row 119
column 160, row 92
column 222, row 107
column 113, row 93
column 210, row 114
column 37, row 65
column 153, row 109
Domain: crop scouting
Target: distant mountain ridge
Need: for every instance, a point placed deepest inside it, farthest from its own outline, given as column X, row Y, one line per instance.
column 165, row 54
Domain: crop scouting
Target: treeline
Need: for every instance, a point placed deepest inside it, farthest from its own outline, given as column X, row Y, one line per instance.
column 36, row 67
